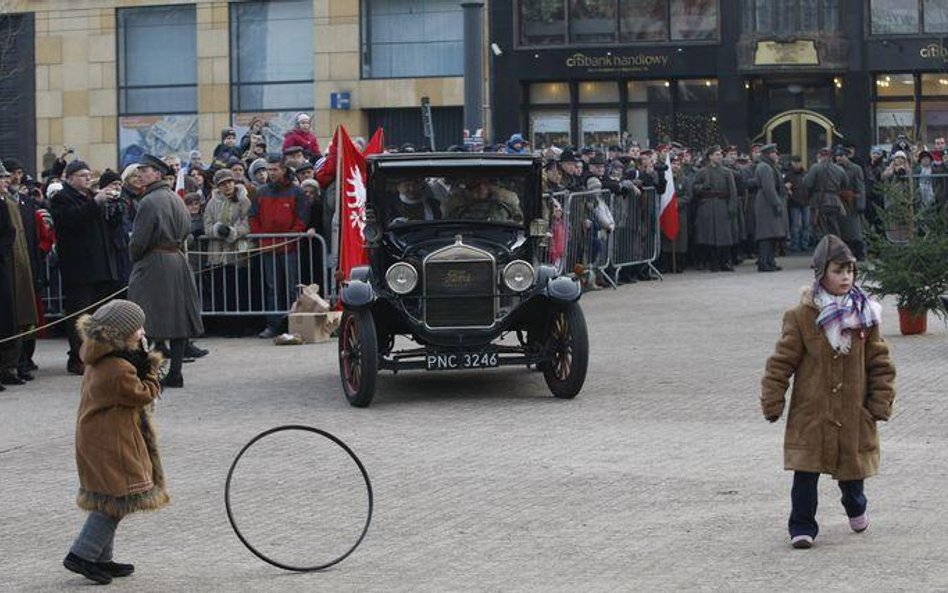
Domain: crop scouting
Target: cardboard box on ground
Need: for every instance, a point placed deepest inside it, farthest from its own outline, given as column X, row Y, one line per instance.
column 310, row 317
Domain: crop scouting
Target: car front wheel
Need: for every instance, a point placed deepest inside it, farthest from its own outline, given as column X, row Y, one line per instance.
column 568, row 347
column 358, row 357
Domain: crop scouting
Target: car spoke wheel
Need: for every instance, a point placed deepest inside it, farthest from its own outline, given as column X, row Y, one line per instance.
column 568, row 348
column 358, row 357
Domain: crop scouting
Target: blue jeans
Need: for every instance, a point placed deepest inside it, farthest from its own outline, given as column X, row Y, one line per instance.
column 799, row 228
column 281, row 274
column 95, row 540
column 803, row 497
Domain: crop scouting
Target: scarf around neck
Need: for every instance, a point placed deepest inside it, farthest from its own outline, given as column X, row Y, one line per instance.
column 841, row 315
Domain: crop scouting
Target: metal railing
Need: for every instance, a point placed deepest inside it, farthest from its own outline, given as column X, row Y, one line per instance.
column 240, row 281
column 637, row 239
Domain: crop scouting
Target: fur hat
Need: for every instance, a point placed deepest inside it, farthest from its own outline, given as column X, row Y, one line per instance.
column 108, row 177
column 115, row 320
column 830, row 249
column 593, row 184
column 53, row 188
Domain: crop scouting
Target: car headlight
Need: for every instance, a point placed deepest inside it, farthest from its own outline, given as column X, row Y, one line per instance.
column 518, row 275
column 401, row 278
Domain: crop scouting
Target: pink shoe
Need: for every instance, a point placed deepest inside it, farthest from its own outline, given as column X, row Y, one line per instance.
column 860, row 523
column 801, row 542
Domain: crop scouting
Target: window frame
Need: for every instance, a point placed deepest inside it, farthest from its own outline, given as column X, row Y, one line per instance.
column 365, row 49
column 749, row 11
column 617, row 38
column 235, row 85
column 920, row 32
column 121, row 67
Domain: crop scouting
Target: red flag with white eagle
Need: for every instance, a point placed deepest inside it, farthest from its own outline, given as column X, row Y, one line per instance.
column 668, row 211
column 350, row 189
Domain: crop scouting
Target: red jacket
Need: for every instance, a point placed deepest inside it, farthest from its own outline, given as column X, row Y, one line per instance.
column 278, row 209
column 306, row 140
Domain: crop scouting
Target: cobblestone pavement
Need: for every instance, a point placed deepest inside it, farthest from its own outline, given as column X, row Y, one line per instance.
column 661, row 475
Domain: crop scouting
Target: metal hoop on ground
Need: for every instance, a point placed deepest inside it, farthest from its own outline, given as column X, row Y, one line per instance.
column 344, row 447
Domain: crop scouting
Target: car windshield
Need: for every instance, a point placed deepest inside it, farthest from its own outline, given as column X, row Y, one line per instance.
column 478, row 198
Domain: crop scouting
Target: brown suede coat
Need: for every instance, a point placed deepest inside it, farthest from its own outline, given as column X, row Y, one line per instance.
column 117, row 457
column 836, row 398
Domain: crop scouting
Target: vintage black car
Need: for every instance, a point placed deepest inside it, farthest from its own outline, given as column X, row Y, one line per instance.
column 454, row 241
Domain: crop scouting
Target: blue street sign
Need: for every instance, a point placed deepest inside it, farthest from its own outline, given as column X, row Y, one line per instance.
column 339, row 100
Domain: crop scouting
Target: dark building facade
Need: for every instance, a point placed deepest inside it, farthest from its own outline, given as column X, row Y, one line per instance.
column 802, row 73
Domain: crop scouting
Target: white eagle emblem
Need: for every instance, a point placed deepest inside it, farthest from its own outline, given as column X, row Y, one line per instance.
column 356, row 205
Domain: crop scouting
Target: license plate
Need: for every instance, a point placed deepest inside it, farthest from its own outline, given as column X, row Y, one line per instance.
column 449, row 361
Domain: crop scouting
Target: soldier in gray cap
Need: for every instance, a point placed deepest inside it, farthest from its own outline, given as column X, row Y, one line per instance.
column 824, row 181
column 854, row 200
column 770, row 208
column 716, row 192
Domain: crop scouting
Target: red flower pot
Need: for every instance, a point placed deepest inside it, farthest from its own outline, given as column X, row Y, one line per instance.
column 911, row 324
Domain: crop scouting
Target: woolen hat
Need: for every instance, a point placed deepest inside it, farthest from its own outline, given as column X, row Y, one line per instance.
column 12, row 164
column 830, row 249
column 125, row 317
column 108, row 177
column 228, row 132
column 75, row 166
column 223, row 175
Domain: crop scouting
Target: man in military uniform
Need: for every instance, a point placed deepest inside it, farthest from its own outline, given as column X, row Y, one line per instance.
column 770, row 208
column 479, row 199
column 716, row 193
column 415, row 201
column 824, row 181
column 854, row 201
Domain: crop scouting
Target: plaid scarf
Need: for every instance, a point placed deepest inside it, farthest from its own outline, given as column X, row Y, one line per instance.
column 841, row 315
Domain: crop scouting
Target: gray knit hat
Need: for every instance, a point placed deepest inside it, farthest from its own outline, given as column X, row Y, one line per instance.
column 830, row 249
column 125, row 317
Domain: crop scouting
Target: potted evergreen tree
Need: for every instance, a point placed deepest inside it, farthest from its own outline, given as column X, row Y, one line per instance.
column 908, row 257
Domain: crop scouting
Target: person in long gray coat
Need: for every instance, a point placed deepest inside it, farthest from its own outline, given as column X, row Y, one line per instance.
column 825, row 180
column 850, row 222
column 770, row 208
column 716, row 192
column 162, row 282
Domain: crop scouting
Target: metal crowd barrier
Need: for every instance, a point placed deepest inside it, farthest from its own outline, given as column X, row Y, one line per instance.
column 918, row 194
column 588, row 217
column 637, row 239
column 237, row 285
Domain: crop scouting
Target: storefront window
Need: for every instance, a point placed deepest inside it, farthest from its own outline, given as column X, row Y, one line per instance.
column 936, row 16
column 549, row 93
column 598, row 92
column 542, row 22
column 599, row 128
column 895, row 85
column 893, row 120
column 694, row 19
column 592, row 21
column 642, row 20
column 935, row 85
column 934, row 121
column 637, row 125
column 649, row 90
column 894, row 16
column 549, row 128
column 697, row 91
column 408, row 38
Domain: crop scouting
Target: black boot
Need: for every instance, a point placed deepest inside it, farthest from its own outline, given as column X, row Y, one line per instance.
column 176, row 355
column 116, row 569
column 90, row 570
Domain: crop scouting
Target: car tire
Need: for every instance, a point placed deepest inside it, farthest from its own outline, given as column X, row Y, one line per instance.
column 358, row 357
column 568, row 346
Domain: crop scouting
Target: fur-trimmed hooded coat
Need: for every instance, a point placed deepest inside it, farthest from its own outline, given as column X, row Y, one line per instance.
column 117, row 457
column 836, row 400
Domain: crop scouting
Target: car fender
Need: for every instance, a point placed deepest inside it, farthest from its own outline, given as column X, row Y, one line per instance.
column 360, row 273
column 357, row 294
column 563, row 290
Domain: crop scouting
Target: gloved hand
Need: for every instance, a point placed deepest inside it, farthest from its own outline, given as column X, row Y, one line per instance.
column 772, row 419
column 221, row 230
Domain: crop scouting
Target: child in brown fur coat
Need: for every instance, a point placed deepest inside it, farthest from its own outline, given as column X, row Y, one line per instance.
column 116, row 447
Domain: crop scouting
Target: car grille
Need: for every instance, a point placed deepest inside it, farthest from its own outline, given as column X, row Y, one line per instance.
column 459, row 293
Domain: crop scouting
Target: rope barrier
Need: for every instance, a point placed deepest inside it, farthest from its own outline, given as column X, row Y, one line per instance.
column 243, row 254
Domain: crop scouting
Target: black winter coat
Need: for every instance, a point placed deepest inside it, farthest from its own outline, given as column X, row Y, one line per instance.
column 84, row 238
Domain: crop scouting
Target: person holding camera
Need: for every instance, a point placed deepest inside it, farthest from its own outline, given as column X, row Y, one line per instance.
column 88, row 261
column 226, row 220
